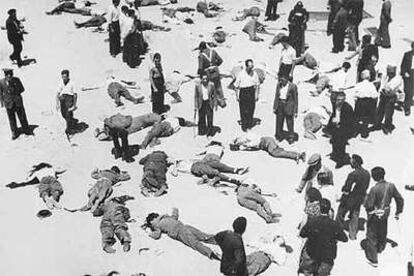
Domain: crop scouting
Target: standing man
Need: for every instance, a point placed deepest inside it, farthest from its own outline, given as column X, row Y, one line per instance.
column 368, row 50
column 15, row 36
column 355, row 14
column 333, row 7
column 353, row 195
column 66, row 100
column 341, row 125
column 271, row 10
column 390, row 86
column 233, row 260
column 114, row 28
column 285, row 107
column 377, row 205
column 407, row 72
column 247, row 93
column 383, row 35
column 322, row 234
column 339, row 25
column 10, row 98
column 287, row 59
column 205, row 101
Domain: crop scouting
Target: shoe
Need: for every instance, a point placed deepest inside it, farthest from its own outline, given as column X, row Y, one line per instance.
column 375, row 265
column 340, row 165
column 291, row 141
column 14, row 136
column 117, row 153
column 127, row 246
column 108, row 249
column 139, row 100
column 409, row 187
column 407, row 113
column 127, row 158
column 215, row 256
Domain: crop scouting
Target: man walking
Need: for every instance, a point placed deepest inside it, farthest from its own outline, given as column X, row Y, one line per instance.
column 233, row 260
column 407, row 72
column 247, row 93
column 322, row 234
column 353, row 195
column 15, row 36
column 205, row 101
column 66, row 100
column 377, row 205
column 10, row 98
column 285, row 107
column 383, row 35
column 114, row 28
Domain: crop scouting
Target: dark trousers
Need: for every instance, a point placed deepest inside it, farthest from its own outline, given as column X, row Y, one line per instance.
column 383, row 36
column 21, row 113
column 365, row 113
column 409, row 91
column 312, row 267
column 386, row 109
column 340, row 136
column 247, row 105
column 281, row 116
column 17, row 51
column 158, row 102
column 271, row 9
column 284, row 71
column 343, row 209
column 205, row 114
column 120, row 134
column 376, row 237
column 66, row 102
column 338, row 39
column 114, row 38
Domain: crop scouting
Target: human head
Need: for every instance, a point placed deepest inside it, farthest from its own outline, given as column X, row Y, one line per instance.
column 283, row 80
column 373, row 60
column 131, row 13
column 346, row 65
column 157, row 59
column 8, row 73
column 116, row 2
column 391, row 71
column 365, row 75
column 340, row 99
column 356, row 161
column 239, row 225
column 313, row 195
column 366, row 39
column 299, row 5
column 65, row 75
column 12, row 12
column 204, row 78
column 115, row 169
column 124, row 9
column 249, row 64
column 284, row 40
column 234, row 146
column 151, row 220
column 202, row 46
column 325, row 206
column 378, row 173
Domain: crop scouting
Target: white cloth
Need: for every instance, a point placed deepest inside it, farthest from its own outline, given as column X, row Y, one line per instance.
column 204, row 92
column 175, row 124
column 394, row 84
column 250, row 140
column 340, row 80
column 245, row 80
column 126, row 26
column 113, row 14
column 366, row 89
column 215, row 149
column 412, row 63
column 68, row 89
column 283, row 92
column 288, row 55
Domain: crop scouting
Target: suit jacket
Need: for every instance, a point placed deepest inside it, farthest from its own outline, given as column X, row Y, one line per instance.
column 10, row 93
column 406, row 63
column 14, row 34
column 360, row 177
column 341, row 19
column 291, row 106
column 346, row 119
column 355, row 8
column 198, row 95
column 207, row 59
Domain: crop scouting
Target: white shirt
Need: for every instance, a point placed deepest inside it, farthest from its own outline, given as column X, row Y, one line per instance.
column 394, row 84
column 337, row 117
column 245, row 80
column 215, row 149
column 126, row 26
column 340, row 80
column 412, row 63
column 288, row 55
column 66, row 89
column 283, row 92
column 175, row 124
column 204, row 92
column 250, row 140
column 366, row 89
column 113, row 14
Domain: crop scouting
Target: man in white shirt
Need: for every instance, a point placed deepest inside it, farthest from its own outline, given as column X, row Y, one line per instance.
column 114, row 28
column 391, row 86
column 340, row 81
column 66, row 100
column 287, row 59
column 247, row 93
column 366, row 96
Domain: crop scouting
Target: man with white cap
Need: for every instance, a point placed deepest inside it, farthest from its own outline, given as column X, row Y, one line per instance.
column 10, row 97
column 314, row 169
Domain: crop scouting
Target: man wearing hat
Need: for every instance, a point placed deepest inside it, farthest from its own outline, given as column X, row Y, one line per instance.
column 390, row 87
column 315, row 168
column 15, row 36
column 10, row 98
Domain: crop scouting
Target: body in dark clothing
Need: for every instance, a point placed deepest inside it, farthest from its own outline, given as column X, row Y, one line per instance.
column 407, row 72
column 351, row 201
column 116, row 127
column 383, row 35
column 157, row 85
column 368, row 50
column 339, row 25
column 298, row 17
column 271, row 10
column 208, row 62
column 15, row 36
column 333, row 9
column 355, row 14
column 154, row 180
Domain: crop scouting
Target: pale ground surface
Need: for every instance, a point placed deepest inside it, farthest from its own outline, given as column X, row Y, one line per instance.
column 69, row 244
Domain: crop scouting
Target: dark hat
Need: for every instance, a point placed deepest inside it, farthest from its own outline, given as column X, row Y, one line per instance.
column 239, row 225
column 44, row 214
column 314, row 159
column 284, row 39
column 7, row 70
column 11, row 11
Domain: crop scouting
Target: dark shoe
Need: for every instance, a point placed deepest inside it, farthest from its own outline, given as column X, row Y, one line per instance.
column 119, row 104
column 407, row 113
column 291, row 141
column 409, row 187
column 14, row 136
column 127, row 158
column 127, row 246
column 108, row 249
column 117, row 153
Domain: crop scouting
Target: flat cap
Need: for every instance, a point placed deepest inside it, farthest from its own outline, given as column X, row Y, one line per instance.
column 314, row 159
column 7, row 70
column 391, row 68
column 11, row 11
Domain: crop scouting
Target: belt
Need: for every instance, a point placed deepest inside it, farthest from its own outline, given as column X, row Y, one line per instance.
column 283, row 100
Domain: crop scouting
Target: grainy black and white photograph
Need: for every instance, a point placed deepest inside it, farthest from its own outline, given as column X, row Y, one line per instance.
column 206, row 137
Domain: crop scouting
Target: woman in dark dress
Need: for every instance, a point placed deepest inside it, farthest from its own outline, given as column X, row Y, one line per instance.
column 157, row 85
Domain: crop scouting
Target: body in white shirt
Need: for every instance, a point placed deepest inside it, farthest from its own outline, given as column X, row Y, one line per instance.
column 366, row 89
column 245, row 80
column 340, row 80
column 288, row 55
column 113, row 14
column 283, row 92
column 66, row 89
column 204, row 91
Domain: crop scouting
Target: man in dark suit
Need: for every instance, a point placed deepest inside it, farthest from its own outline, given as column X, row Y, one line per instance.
column 368, row 50
column 407, row 72
column 322, row 234
column 271, row 10
column 233, row 260
column 341, row 126
column 15, row 36
column 383, row 35
column 352, row 200
column 285, row 107
column 377, row 205
column 10, row 98
column 339, row 25
column 205, row 101
column 355, row 14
